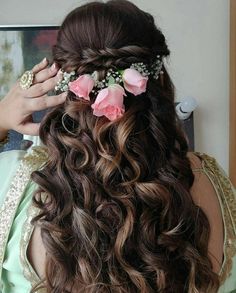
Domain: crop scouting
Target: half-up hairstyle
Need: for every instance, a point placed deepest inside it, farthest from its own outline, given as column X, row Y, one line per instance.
column 118, row 216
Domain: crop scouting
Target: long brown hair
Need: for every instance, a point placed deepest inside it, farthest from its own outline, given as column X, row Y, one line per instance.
column 119, row 216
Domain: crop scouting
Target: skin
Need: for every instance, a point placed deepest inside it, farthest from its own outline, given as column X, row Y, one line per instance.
column 17, row 106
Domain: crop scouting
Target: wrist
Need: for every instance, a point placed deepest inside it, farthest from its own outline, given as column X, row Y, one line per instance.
column 3, row 129
column 4, row 138
column 3, row 133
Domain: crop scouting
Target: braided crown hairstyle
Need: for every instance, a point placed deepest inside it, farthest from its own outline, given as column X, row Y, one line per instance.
column 118, row 216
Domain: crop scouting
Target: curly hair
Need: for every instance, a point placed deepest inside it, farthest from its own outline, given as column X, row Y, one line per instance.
column 118, row 215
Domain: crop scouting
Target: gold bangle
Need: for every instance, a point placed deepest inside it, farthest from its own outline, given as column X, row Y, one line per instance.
column 5, row 140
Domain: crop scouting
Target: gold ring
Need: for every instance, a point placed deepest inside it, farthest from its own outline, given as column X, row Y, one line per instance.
column 26, row 80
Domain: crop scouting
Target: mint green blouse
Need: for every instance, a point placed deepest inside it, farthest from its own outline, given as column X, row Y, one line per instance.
column 16, row 212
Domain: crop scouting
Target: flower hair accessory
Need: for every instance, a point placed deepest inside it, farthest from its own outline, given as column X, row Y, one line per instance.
column 110, row 91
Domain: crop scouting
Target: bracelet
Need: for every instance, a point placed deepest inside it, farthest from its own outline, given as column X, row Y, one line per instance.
column 5, row 140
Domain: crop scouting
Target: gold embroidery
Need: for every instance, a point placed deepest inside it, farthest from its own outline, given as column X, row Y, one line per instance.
column 228, row 203
column 27, row 230
column 31, row 161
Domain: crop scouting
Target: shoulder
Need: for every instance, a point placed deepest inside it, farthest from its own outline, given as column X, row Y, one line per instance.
column 36, row 156
column 11, row 161
column 205, row 196
column 213, row 192
column 9, row 158
column 203, row 187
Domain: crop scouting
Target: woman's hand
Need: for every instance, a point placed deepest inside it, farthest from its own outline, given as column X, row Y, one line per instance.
column 17, row 106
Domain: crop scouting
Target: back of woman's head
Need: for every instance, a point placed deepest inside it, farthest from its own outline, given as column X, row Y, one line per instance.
column 99, row 36
column 118, row 215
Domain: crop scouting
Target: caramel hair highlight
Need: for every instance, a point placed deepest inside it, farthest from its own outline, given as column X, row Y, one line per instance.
column 119, row 216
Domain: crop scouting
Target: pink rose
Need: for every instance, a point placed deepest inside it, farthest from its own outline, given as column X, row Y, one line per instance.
column 134, row 82
column 82, row 86
column 109, row 102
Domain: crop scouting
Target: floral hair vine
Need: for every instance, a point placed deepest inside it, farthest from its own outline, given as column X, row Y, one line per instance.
column 110, row 91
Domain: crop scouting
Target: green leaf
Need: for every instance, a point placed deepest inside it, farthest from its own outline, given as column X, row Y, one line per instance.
column 111, row 80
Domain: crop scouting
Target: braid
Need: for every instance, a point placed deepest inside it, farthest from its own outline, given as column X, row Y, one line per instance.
column 102, row 59
column 112, row 58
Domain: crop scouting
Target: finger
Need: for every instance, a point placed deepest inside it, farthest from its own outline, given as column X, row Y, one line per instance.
column 46, row 102
column 45, row 74
column 38, row 67
column 30, row 128
column 43, row 88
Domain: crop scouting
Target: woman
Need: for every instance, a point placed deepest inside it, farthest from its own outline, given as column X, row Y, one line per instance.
column 112, row 201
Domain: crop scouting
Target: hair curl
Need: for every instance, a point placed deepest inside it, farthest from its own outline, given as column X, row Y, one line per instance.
column 119, row 216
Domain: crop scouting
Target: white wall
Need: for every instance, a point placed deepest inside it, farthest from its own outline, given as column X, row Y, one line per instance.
column 198, row 36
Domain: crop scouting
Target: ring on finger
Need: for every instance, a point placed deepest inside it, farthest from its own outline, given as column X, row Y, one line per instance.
column 26, row 79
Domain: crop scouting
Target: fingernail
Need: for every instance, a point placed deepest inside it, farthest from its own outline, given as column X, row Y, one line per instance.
column 64, row 95
column 53, row 67
column 59, row 73
column 44, row 60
